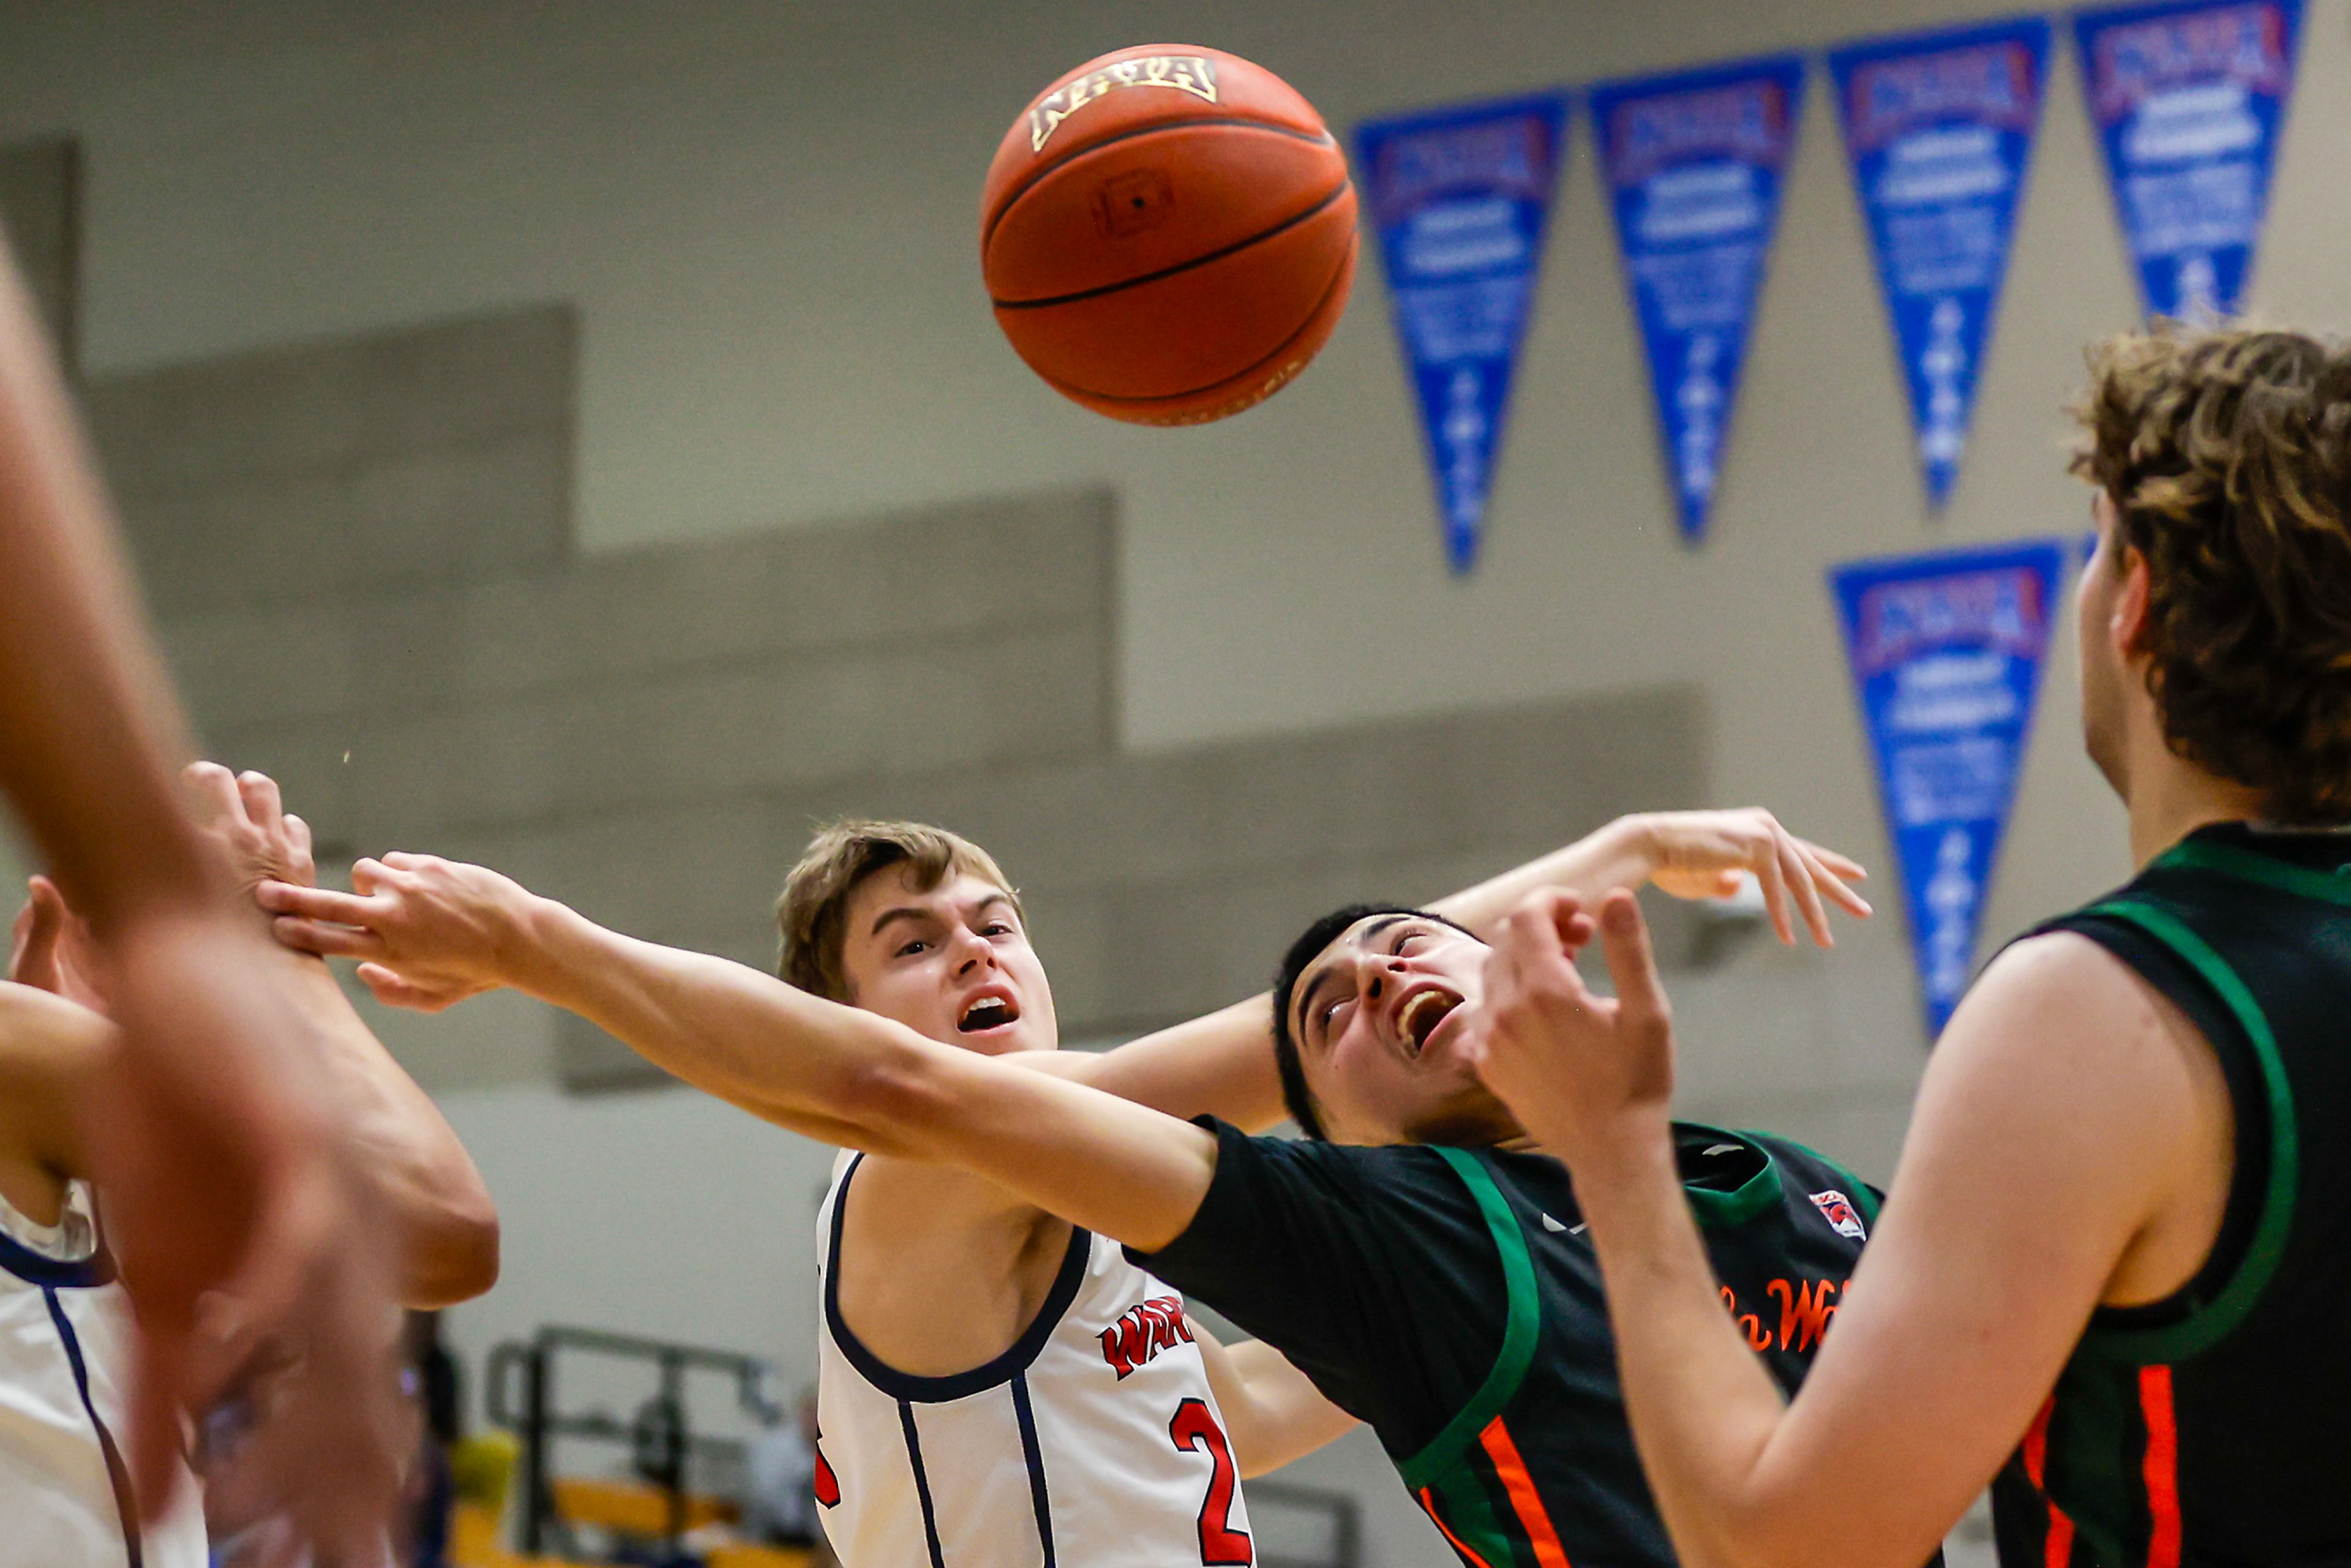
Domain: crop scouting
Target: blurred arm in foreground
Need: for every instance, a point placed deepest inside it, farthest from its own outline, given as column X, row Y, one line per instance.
column 206, row 1127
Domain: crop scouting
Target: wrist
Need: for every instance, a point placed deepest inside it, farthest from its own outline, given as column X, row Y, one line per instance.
column 1621, row 854
column 1628, row 1148
column 527, row 947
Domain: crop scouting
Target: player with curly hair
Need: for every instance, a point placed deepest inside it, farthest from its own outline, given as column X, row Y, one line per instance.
column 2115, row 1261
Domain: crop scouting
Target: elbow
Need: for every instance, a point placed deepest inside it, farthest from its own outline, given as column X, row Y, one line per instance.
column 453, row 1254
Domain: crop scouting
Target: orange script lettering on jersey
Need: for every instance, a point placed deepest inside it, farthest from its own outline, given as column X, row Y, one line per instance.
column 1805, row 1308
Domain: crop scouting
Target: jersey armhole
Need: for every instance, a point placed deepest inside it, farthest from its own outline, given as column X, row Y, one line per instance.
column 2209, row 1321
column 1521, row 1323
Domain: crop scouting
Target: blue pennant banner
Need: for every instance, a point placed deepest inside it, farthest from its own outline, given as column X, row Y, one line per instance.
column 1947, row 653
column 1692, row 165
column 1940, row 128
column 1462, row 197
column 2189, row 100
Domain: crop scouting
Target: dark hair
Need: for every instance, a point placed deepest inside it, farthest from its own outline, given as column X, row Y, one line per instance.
column 2228, row 455
column 1295, row 1096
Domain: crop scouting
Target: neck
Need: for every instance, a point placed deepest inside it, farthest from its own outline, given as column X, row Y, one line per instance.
column 2170, row 798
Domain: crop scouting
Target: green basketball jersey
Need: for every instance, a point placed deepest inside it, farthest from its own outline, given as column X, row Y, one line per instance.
column 2214, row 1427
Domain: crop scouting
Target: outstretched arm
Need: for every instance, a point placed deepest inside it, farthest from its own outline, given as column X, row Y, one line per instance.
column 1223, row 1063
column 2057, row 1089
column 430, row 932
column 223, row 1173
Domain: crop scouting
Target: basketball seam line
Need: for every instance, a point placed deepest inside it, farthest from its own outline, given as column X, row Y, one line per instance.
column 1071, row 389
column 1036, row 175
column 1338, row 191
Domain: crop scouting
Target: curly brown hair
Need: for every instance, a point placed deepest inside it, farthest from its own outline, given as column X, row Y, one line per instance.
column 2227, row 454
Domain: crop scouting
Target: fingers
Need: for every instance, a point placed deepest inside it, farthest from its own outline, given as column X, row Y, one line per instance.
column 297, row 833
column 318, row 904
column 328, row 941
column 258, row 792
column 394, row 991
column 1831, row 872
column 40, row 928
column 213, row 788
column 1808, row 897
column 1631, row 962
column 1841, row 865
column 1774, row 877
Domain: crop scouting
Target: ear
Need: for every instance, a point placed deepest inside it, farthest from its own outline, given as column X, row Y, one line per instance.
column 2126, row 621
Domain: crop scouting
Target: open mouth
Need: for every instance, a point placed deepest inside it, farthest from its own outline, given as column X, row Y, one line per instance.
column 988, row 1012
column 1422, row 1013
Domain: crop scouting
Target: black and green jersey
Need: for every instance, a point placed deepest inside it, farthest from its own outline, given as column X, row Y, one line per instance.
column 1450, row 1299
column 2214, row 1427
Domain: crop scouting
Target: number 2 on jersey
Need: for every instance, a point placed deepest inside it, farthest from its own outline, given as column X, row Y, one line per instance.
column 1221, row 1546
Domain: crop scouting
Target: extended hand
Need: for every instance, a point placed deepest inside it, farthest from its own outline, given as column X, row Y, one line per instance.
column 242, row 816
column 1701, row 854
column 1582, row 1073
column 429, row 933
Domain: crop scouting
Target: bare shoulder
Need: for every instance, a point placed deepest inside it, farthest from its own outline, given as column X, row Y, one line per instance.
column 2065, row 1077
column 2061, row 997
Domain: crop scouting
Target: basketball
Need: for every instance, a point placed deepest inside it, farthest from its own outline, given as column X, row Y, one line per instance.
column 1168, row 233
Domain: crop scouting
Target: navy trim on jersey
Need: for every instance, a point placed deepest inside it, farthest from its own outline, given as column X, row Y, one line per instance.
column 55, row 1273
column 1035, row 1458
column 117, row 1474
column 921, row 1483
column 903, row 1386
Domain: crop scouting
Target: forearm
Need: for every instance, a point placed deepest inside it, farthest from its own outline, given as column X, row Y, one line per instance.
column 402, row 1147
column 852, row 1078
column 1220, row 1065
column 91, row 740
column 1613, row 856
column 804, row 1063
column 1703, row 1408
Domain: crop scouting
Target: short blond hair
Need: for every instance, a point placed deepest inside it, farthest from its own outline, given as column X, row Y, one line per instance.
column 813, row 910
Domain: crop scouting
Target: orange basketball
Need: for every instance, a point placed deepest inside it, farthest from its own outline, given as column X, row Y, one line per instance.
column 1168, row 233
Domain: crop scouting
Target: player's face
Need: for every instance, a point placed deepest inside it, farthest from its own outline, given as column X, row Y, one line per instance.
column 1378, row 1018
column 2103, row 678
column 953, row 963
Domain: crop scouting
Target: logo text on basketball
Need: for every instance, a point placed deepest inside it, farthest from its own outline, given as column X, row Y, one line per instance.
column 1186, row 73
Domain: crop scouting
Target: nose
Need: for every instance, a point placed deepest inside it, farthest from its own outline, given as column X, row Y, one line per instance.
column 1376, row 973
column 972, row 951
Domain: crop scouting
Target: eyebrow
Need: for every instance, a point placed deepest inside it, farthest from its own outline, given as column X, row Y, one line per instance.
column 1314, row 985
column 916, row 912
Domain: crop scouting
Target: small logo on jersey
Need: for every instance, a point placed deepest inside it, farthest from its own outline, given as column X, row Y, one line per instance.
column 1556, row 1228
column 827, row 1485
column 1838, row 1210
column 1143, row 1331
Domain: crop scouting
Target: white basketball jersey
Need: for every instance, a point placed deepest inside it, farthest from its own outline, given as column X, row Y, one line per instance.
column 65, row 1357
column 1093, row 1442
